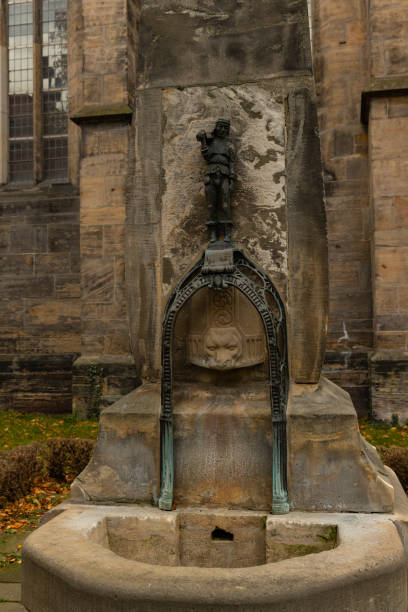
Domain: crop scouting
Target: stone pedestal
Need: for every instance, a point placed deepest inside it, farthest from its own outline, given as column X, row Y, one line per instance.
column 330, row 467
column 125, row 466
column 223, row 447
column 223, row 451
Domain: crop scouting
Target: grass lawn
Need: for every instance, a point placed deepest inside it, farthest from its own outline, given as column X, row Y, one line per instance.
column 20, row 429
column 381, row 434
column 18, row 518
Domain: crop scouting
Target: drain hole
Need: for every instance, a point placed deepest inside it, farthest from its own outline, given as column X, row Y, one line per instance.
column 221, row 534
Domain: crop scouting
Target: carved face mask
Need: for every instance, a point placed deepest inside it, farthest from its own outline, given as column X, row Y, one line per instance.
column 222, row 347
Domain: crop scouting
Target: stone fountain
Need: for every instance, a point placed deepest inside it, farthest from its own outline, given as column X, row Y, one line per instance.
column 234, row 477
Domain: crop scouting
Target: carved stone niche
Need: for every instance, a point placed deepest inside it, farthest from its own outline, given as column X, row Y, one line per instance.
column 221, row 404
column 223, row 331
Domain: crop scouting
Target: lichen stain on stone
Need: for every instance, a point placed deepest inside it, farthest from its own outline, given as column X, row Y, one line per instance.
column 248, row 107
column 257, row 120
column 236, row 52
column 278, row 176
column 168, row 272
column 250, row 154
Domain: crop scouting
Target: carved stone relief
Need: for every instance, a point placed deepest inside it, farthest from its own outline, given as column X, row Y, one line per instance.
column 224, row 331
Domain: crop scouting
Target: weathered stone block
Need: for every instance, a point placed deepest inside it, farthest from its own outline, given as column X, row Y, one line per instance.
column 204, row 543
column 17, row 265
column 330, row 467
column 67, row 286
column 223, row 446
column 97, row 279
column 28, row 238
column 395, row 144
column 101, row 380
column 214, row 44
column 59, row 315
column 389, row 382
column 36, row 383
column 398, row 106
column 307, row 246
column 152, row 538
column 391, row 264
column 125, row 466
column 291, row 539
column 63, row 237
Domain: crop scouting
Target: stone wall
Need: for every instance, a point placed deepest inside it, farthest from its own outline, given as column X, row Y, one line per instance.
column 103, row 40
column 361, row 68
column 358, row 47
column 387, row 114
column 40, row 308
column 251, row 63
column 340, row 43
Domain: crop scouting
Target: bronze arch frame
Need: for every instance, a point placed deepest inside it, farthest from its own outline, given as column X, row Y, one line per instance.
column 241, row 276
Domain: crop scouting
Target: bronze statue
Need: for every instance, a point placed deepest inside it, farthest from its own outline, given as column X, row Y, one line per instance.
column 218, row 179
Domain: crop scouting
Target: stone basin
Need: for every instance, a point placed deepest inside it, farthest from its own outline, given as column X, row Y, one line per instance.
column 138, row 558
column 212, row 539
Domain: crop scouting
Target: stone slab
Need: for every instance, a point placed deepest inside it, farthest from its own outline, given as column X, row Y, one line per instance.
column 223, row 446
column 12, row 607
column 185, row 42
column 12, row 573
column 152, row 539
column 142, row 251
column 10, row 591
column 307, row 254
column 221, row 540
column 292, row 539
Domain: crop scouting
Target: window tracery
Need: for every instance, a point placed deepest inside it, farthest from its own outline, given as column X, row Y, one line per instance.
column 37, row 90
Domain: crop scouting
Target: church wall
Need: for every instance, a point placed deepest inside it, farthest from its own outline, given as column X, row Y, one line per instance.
column 101, row 77
column 361, row 69
column 39, row 297
column 387, row 117
column 340, row 45
column 53, row 312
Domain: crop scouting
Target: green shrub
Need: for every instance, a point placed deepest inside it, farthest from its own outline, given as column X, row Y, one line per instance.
column 18, row 469
column 396, row 458
column 67, row 457
column 61, row 459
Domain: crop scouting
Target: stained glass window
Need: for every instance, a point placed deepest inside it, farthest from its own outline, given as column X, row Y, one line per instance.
column 42, row 137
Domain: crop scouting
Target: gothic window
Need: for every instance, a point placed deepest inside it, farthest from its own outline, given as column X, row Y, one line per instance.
column 37, row 90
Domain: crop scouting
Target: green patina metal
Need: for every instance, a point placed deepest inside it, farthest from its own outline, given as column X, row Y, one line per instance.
column 220, row 267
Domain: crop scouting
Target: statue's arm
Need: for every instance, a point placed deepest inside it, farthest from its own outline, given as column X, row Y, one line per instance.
column 203, row 138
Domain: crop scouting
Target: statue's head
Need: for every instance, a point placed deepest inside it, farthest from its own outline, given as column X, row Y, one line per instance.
column 222, row 347
column 222, row 127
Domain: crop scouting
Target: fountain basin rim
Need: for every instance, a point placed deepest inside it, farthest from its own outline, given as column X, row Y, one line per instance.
column 369, row 546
